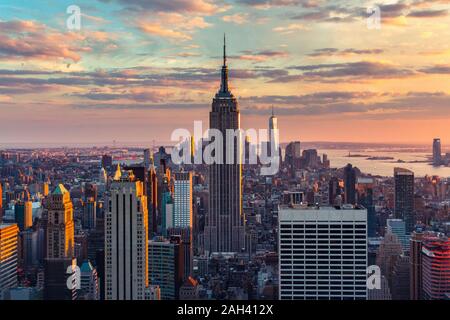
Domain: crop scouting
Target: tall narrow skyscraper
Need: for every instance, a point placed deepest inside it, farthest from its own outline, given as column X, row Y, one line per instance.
column 350, row 184
column 60, row 225
column 404, row 197
column 60, row 245
column 126, row 240
column 437, row 152
column 225, row 224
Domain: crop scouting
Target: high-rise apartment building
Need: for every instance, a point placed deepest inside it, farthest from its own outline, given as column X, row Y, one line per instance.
column 225, row 223
column 126, row 240
column 322, row 253
column 404, row 197
column 8, row 257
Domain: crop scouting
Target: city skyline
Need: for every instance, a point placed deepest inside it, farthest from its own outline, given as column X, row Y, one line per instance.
column 127, row 69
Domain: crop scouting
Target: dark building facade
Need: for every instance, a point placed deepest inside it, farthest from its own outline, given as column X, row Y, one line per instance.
column 349, row 184
column 404, row 197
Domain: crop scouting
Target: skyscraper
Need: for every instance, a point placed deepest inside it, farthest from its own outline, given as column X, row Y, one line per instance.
column 147, row 159
column 415, row 282
column 365, row 198
column 89, row 285
column 166, row 265
column 350, row 184
column 274, row 139
column 435, row 267
column 8, row 257
column 389, row 252
column 437, row 152
column 23, row 211
column 126, row 240
column 404, row 197
column 183, row 215
column 397, row 227
column 1, row 202
column 182, row 210
column 89, row 213
column 60, row 245
column 225, row 224
column 107, row 161
column 60, row 226
column 322, row 253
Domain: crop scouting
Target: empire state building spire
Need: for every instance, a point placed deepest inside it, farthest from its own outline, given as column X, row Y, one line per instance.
column 224, row 90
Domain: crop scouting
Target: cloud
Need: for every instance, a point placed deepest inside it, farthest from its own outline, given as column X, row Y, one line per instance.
column 291, row 28
column 33, row 40
column 172, row 25
column 428, row 13
column 343, row 52
column 181, row 6
column 260, row 56
column 358, row 70
column 237, row 18
column 437, row 69
column 266, row 4
column 137, row 95
column 408, row 105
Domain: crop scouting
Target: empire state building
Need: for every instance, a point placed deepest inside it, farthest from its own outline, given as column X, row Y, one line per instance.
column 225, row 223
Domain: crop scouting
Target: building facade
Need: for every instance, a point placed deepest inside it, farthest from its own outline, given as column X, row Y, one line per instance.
column 322, row 253
column 126, row 240
column 8, row 257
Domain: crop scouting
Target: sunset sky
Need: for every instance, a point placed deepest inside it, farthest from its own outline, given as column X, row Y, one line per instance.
column 138, row 69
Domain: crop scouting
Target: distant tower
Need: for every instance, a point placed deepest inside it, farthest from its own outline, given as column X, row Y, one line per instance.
column 274, row 138
column 147, row 159
column 404, row 197
column 225, row 223
column 437, row 152
column 103, row 177
column 126, row 240
column 107, row 161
